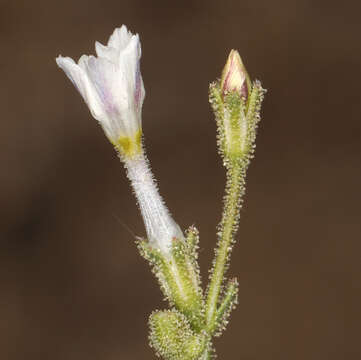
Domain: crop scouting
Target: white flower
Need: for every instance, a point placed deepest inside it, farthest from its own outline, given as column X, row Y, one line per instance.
column 112, row 86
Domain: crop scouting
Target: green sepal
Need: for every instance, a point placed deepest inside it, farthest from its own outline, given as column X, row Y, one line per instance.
column 192, row 241
column 179, row 279
column 172, row 337
column 189, row 297
column 216, row 100
column 231, row 121
column 235, row 127
column 253, row 114
column 228, row 302
column 237, row 121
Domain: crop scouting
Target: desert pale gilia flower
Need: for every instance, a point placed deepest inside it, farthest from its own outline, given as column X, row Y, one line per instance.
column 112, row 86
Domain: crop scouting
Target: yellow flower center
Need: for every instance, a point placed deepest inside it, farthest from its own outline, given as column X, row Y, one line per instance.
column 129, row 146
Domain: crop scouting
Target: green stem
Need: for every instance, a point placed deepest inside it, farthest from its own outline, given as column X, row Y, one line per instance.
column 228, row 228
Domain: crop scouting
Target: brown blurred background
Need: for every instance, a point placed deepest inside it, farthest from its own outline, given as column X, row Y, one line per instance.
column 72, row 283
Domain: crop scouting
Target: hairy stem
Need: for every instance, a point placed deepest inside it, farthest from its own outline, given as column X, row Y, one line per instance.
column 228, row 227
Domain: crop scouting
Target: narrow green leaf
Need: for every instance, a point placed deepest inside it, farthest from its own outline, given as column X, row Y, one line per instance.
column 229, row 302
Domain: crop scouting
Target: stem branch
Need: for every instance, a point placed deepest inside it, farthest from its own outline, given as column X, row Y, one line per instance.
column 228, row 227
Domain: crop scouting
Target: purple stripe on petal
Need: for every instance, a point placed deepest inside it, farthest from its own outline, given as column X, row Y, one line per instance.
column 138, row 87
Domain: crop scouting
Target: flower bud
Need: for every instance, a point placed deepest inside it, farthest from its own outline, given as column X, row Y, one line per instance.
column 235, row 76
column 172, row 337
column 236, row 102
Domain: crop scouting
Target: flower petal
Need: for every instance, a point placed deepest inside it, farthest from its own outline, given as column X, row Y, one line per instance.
column 120, row 38
column 129, row 62
column 109, row 82
column 106, row 52
column 80, row 80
